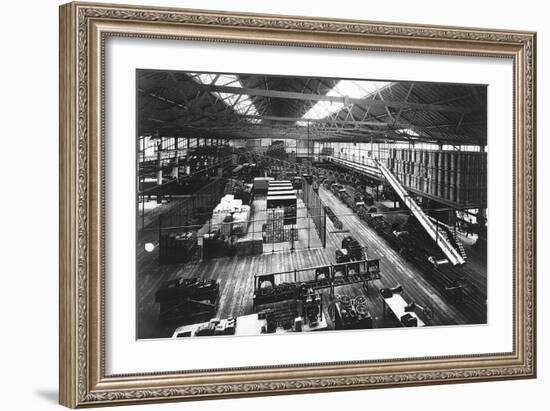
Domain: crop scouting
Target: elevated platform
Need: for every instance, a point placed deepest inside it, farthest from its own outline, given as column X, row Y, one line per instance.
column 371, row 171
column 434, row 231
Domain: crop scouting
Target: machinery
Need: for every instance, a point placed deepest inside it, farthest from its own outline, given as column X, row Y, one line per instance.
column 352, row 267
column 280, row 292
column 311, row 306
column 335, row 220
column 215, row 326
column 351, row 313
column 397, row 308
column 355, row 251
column 412, row 242
column 351, row 251
column 335, row 188
column 186, row 299
column 296, row 311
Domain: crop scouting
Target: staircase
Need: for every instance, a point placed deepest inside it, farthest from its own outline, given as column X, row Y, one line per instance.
column 453, row 239
column 461, row 249
column 435, row 231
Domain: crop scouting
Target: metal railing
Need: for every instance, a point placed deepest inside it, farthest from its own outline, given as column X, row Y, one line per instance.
column 437, row 234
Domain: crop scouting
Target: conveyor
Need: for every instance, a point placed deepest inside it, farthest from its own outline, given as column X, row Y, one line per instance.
column 437, row 234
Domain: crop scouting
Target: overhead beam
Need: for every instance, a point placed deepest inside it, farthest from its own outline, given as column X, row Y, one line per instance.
column 260, row 131
column 294, row 95
column 235, row 127
column 235, row 117
column 229, row 115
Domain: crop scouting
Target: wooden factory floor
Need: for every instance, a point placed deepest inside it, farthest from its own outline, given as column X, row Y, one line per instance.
column 236, row 275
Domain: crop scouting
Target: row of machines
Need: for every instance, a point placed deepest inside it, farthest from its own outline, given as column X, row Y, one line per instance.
column 352, row 313
column 289, row 306
column 303, row 312
column 411, row 242
column 352, row 267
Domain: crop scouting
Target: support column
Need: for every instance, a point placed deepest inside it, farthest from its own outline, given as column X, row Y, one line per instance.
column 430, row 171
column 159, row 167
column 159, row 162
column 469, row 184
column 421, row 171
column 459, row 178
column 175, row 169
column 440, row 174
column 371, row 147
column 187, row 168
column 445, row 182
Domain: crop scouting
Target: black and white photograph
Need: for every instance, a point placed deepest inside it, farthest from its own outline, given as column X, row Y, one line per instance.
column 271, row 204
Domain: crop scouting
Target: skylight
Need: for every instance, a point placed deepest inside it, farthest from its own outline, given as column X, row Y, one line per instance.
column 240, row 103
column 407, row 132
column 354, row 89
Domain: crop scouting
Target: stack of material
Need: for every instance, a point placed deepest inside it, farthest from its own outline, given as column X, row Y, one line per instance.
column 281, row 194
column 274, row 228
column 230, row 216
column 290, row 233
column 224, row 207
column 225, row 226
column 280, row 183
column 456, row 176
column 240, row 221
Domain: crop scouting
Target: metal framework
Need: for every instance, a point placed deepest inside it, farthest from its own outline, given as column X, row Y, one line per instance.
column 235, row 106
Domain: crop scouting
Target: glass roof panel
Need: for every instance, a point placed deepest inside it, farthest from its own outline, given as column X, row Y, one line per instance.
column 407, row 131
column 357, row 88
column 241, row 104
column 353, row 89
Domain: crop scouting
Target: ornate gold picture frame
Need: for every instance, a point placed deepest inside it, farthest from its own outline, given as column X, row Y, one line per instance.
column 84, row 29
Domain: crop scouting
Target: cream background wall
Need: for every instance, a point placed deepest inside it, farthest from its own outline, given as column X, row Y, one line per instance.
column 28, row 205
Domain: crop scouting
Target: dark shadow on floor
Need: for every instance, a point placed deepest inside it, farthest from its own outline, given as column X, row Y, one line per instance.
column 49, row 395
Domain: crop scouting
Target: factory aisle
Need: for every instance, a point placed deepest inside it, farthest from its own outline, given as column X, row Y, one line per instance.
column 394, row 268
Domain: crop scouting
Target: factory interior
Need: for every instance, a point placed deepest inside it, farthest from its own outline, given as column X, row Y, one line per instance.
column 270, row 204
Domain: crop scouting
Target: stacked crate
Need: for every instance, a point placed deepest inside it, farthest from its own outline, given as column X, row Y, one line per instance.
column 230, row 216
column 240, row 221
column 274, row 228
column 456, row 176
column 282, row 194
column 290, row 233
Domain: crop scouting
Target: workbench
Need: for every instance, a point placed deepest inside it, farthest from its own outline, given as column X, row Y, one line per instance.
column 247, row 325
column 396, row 305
